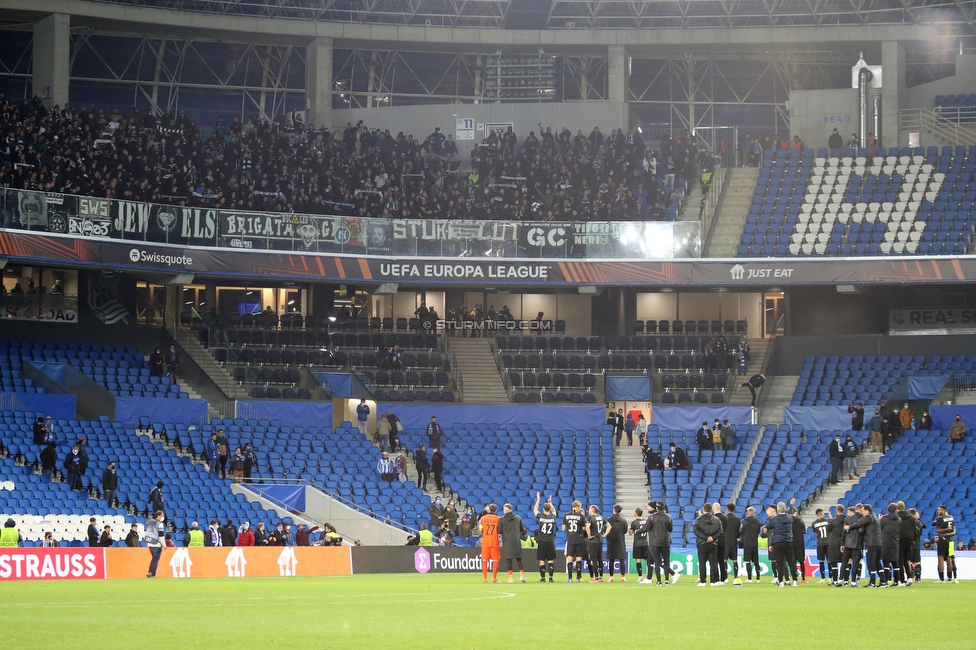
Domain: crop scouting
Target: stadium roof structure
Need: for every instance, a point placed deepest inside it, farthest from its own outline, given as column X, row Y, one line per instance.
column 592, row 14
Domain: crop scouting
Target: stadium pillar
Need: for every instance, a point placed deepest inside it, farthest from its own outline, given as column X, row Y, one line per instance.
column 318, row 82
column 618, row 74
column 892, row 90
column 52, row 42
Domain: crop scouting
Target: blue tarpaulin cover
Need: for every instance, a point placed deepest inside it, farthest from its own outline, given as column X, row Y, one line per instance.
column 290, row 413
column 178, row 411
column 53, row 370
column 575, row 418
column 629, row 388
column 47, row 404
column 820, row 418
column 343, row 385
column 689, row 418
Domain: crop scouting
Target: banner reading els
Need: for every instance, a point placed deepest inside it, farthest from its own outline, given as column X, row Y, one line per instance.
column 52, row 564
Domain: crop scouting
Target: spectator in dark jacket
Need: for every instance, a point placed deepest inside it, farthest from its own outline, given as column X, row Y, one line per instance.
column 836, row 452
column 106, row 537
column 92, row 532
column 156, row 500
column 72, row 467
column 110, row 483
column 423, row 467
column 857, row 416
column 260, row 538
column 49, row 458
column 301, row 535
column 228, row 533
column 132, row 539
column 678, row 458
column 925, row 423
column 38, row 431
column 437, row 465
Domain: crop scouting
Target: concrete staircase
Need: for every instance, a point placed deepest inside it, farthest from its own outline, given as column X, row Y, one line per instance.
column 220, row 375
column 779, row 393
column 480, row 379
column 629, row 479
column 731, row 218
column 689, row 210
column 739, row 396
column 834, row 494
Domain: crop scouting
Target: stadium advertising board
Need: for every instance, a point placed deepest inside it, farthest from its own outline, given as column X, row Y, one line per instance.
column 53, row 564
column 231, row 562
column 147, row 223
column 932, row 321
column 40, row 247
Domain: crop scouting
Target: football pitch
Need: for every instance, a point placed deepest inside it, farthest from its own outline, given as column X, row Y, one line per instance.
column 457, row 611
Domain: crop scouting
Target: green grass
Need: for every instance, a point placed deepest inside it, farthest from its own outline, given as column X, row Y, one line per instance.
column 458, row 611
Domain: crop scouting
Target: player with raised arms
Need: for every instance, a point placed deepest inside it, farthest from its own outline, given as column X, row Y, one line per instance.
column 545, row 536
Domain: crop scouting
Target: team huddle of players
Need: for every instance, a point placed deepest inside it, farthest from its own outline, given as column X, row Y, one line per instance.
column 586, row 534
column 892, row 543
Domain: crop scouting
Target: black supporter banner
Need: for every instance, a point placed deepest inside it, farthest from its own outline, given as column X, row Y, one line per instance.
column 148, row 223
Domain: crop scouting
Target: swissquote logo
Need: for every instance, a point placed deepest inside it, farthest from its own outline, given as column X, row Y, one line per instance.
column 739, row 272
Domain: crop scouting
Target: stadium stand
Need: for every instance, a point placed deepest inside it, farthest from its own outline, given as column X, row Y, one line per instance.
column 414, row 367
column 924, row 470
column 907, row 201
column 488, row 463
column 42, row 504
column 956, row 108
column 710, row 479
column 839, row 380
column 117, row 368
column 225, row 168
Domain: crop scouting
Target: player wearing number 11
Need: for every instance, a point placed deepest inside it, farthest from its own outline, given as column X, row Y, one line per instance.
column 545, row 537
column 490, row 549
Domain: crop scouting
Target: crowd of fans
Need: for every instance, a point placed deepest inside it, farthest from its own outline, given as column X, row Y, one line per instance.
column 284, row 166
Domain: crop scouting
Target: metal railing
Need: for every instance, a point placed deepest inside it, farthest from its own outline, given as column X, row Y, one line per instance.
column 946, row 124
column 708, row 219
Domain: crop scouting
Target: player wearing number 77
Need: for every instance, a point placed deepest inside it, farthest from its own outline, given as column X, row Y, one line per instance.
column 545, row 536
column 490, row 550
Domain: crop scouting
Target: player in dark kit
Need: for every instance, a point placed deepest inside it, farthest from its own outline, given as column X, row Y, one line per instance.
column 732, row 539
column 799, row 552
column 573, row 524
column 850, row 561
column 945, row 528
column 820, row 532
column 615, row 533
column 835, row 544
column 750, row 542
column 545, row 537
column 594, row 543
column 640, row 544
